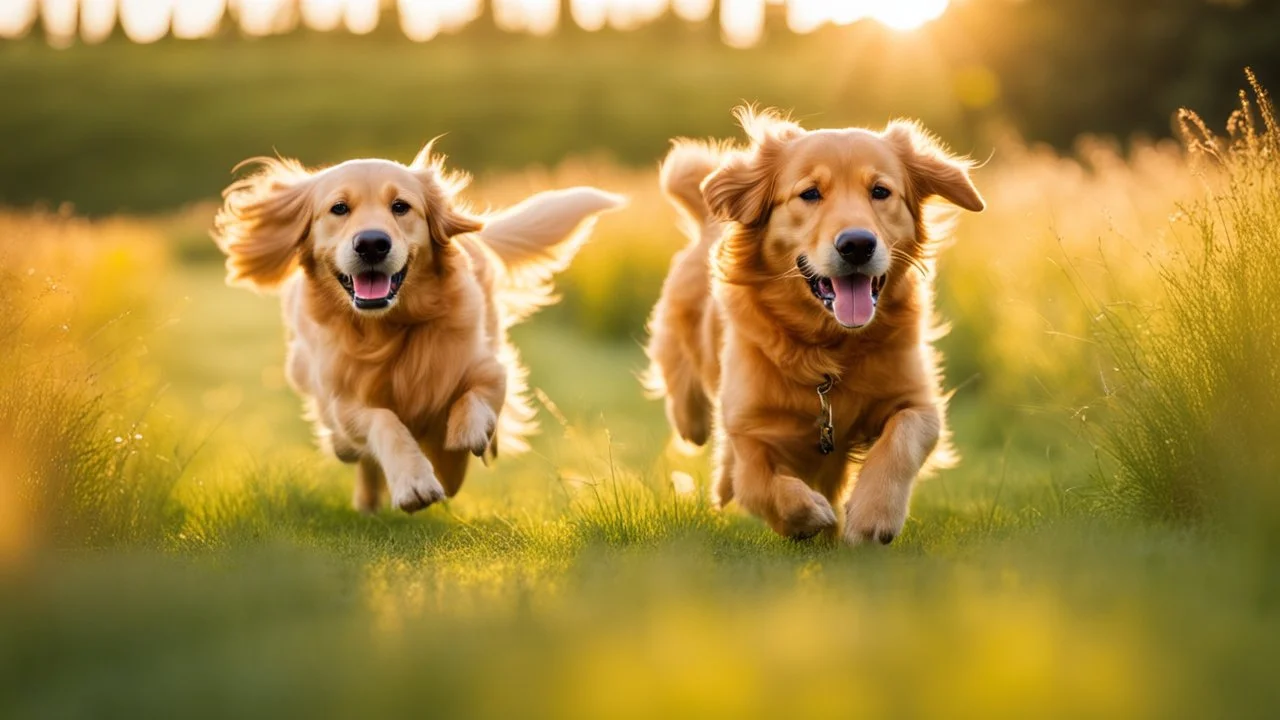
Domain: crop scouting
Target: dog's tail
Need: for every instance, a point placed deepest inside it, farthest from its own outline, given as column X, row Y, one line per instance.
column 533, row 241
column 536, row 239
column 687, row 164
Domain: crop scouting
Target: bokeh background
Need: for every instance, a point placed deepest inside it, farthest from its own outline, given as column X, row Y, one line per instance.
column 520, row 83
column 172, row 542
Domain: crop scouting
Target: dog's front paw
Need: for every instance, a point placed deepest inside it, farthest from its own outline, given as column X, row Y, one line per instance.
column 471, row 426
column 415, row 488
column 876, row 513
column 802, row 511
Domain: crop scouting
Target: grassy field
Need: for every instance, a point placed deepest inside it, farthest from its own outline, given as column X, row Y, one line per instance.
column 171, row 543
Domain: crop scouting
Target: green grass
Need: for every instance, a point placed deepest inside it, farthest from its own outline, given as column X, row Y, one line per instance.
column 574, row 581
column 332, row 617
column 428, row 619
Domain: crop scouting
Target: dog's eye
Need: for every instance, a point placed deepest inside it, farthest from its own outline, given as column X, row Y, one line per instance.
column 400, row 207
column 340, row 208
column 812, row 195
column 880, row 192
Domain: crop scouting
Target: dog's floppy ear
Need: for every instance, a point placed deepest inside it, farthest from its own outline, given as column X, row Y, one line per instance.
column 264, row 220
column 932, row 171
column 440, row 187
column 742, row 189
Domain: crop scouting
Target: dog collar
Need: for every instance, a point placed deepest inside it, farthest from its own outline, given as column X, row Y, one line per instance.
column 826, row 428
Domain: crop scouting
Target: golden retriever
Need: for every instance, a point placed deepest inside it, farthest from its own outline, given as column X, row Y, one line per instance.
column 799, row 315
column 397, row 301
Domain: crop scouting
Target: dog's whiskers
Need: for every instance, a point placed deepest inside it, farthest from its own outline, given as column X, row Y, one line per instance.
column 912, row 261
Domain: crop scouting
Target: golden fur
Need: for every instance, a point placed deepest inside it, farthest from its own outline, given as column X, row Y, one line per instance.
column 411, row 390
column 738, row 335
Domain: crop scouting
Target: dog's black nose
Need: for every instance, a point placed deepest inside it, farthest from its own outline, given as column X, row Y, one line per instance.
column 856, row 246
column 373, row 246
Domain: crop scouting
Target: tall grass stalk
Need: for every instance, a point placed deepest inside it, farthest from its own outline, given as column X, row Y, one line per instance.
column 1196, row 397
column 77, row 467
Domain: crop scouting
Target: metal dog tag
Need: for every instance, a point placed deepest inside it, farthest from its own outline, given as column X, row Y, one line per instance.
column 826, row 428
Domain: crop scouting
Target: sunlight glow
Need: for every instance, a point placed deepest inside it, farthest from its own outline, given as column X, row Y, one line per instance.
column 419, row 19
column 853, row 10
column 59, row 18
column 455, row 14
column 908, row 15
column 322, row 15
column 263, row 17
column 543, row 18
column 631, row 14
column 590, row 15
column 145, row 21
column 693, row 10
column 742, row 22
column 197, row 18
column 16, row 17
column 538, row 17
column 361, row 17
column 97, row 20
column 805, row 16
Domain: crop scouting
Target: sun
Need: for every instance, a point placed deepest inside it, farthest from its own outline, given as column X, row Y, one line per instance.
column 804, row 16
column 907, row 14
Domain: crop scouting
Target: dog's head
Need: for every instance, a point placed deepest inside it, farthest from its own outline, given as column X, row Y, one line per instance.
column 844, row 207
column 362, row 230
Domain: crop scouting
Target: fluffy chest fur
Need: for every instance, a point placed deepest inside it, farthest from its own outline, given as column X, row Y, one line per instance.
column 771, row 372
column 412, row 363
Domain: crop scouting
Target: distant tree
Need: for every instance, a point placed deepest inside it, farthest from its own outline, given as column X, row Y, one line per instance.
column 1121, row 66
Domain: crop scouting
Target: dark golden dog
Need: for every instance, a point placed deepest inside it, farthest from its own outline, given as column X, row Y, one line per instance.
column 397, row 303
column 799, row 318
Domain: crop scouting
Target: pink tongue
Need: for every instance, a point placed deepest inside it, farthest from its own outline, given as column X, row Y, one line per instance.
column 372, row 286
column 853, row 306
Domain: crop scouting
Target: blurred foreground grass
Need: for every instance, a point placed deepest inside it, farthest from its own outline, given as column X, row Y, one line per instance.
column 170, row 543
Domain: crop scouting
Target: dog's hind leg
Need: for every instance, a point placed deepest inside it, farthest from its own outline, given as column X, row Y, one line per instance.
column 673, row 376
column 688, row 408
column 451, row 469
column 473, row 418
column 370, row 484
column 722, row 492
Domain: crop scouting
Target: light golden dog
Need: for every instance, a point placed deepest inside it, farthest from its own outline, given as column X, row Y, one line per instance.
column 397, row 303
column 799, row 316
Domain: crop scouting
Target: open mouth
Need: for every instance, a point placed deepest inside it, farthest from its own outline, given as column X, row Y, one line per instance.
column 371, row 289
column 852, row 299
